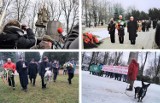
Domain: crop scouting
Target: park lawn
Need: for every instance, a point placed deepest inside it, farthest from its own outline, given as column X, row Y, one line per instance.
column 59, row 92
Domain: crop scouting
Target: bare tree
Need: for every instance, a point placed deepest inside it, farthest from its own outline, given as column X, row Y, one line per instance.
column 70, row 9
column 132, row 55
column 55, row 9
column 92, row 58
column 21, row 7
column 106, row 56
column 157, row 69
column 118, row 56
column 143, row 65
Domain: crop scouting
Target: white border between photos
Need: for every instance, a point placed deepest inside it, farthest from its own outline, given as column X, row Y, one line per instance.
column 80, row 50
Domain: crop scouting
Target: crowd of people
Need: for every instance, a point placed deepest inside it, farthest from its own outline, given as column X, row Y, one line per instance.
column 17, row 36
column 133, row 26
column 30, row 70
column 129, row 78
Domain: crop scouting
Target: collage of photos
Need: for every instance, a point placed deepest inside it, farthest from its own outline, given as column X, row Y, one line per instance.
column 79, row 51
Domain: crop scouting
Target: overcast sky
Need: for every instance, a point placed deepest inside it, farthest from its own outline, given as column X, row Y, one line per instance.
column 142, row 5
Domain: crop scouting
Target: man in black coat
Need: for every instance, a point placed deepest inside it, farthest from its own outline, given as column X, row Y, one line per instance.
column 32, row 71
column 121, row 24
column 43, row 65
column 111, row 29
column 21, row 67
column 13, row 36
column 157, row 34
column 132, row 30
column 55, row 67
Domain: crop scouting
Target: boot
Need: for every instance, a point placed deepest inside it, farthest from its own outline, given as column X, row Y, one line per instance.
column 129, row 89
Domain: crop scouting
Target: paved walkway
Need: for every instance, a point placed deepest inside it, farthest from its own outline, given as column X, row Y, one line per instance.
column 144, row 40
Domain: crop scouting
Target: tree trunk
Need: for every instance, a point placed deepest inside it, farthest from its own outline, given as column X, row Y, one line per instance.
column 91, row 60
column 131, row 56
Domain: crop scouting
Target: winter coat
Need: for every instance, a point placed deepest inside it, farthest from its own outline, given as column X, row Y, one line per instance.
column 42, row 68
column 157, row 34
column 10, row 65
column 120, row 27
column 133, row 70
column 13, row 37
column 23, row 72
column 32, row 69
column 111, row 28
column 132, row 29
column 55, row 68
column 72, row 40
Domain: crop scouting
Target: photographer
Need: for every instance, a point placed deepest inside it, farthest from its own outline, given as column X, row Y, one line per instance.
column 13, row 36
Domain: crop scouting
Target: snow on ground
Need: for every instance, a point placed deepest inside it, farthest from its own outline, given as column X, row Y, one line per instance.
column 101, row 34
column 106, row 90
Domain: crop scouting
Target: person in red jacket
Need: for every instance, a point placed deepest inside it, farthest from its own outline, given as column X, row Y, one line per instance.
column 132, row 73
column 9, row 65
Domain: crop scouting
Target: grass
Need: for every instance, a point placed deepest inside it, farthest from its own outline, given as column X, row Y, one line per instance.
column 58, row 92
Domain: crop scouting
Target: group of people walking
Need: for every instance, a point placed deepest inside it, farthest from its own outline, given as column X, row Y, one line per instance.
column 24, row 69
column 132, row 27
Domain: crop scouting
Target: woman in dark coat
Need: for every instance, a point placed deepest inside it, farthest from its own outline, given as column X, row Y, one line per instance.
column 13, row 36
column 32, row 71
column 132, row 30
column 43, row 65
column 111, row 29
column 21, row 67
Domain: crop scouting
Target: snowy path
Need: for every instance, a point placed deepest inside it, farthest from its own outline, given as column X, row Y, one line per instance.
column 144, row 40
column 105, row 90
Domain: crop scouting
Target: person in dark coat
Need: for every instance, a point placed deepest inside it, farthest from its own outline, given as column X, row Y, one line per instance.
column 55, row 67
column 157, row 34
column 21, row 67
column 43, row 65
column 132, row 73
column 111, row 29
column 148, row 25
column 70, row 70
column 143, row 25
column 120, row 27
column 32, row 71
column 13, row 36
column 154, row 24
column 132, row 30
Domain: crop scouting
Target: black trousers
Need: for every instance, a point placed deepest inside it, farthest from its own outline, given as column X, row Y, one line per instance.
column 32, row 79
column 121, row 36
column 43, row 84
column 22, row 81
column 11, row 81
column 55, row 75
column 133, row 42
column 70, row 76
column 112, row 37
column 121, row 39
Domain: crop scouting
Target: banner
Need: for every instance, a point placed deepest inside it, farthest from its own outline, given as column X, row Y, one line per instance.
column 115, row 69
